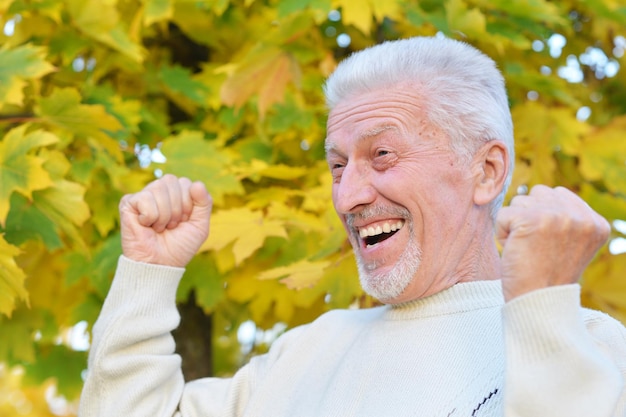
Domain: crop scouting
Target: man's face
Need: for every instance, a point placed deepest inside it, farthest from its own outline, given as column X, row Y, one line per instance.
column 402, row 194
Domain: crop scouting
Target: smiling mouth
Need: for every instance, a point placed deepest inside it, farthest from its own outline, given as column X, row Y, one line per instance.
column 375, row 234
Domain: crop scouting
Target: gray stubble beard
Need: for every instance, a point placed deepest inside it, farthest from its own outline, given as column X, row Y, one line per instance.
column 389, row 285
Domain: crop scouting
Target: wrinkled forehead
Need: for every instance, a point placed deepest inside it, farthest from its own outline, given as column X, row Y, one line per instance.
column 371, row 112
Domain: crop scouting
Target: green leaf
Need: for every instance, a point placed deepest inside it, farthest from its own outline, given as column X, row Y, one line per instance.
column 104, row 263
column 65, row 44
column 289, row 115
column 436, row 17
column 543, row 11
column 78, row 267
column 180, row 81
column 19, row 64
column 63, row 108
column 62, row 364
column 18, row 335
column 286, row 7
column 126, row 111
column 63, row 203
column 19, row 170
column 25, row 222
column 202, row 276
column 190, row 155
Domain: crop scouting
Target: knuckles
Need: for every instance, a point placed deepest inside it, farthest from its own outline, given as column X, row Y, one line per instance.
column 557, row 212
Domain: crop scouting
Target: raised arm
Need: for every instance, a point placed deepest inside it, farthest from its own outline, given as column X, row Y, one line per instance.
column 132, row 368
column 556, row 365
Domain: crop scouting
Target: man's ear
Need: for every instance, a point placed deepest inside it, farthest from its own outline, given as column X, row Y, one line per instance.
column 491, row 165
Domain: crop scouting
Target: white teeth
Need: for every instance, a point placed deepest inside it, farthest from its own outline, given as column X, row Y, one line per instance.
column 385, row 228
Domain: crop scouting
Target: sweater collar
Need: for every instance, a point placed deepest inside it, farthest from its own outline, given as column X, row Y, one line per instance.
column 461, row 297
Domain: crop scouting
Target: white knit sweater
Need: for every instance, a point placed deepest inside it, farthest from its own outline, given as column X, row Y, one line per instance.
column 459, row 353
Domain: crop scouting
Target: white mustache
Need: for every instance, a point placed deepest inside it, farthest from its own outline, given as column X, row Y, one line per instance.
column 377, row 211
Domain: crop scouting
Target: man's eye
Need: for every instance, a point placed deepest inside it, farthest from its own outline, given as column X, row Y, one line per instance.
column 336, row 171
column 382, row 152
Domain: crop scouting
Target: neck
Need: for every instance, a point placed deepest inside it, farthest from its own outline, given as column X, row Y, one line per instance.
column 484, row 263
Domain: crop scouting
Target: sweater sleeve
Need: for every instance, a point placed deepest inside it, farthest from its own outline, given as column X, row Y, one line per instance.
column 558, row 361
column 132, row 369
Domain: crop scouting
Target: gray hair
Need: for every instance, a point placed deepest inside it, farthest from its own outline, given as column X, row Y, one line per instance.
column 464, row 92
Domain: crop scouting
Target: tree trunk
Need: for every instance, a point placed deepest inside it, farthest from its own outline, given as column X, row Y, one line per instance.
column 194, row 340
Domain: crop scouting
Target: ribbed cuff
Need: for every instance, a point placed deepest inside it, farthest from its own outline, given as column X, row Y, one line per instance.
column 544, row 322
column 148, row 289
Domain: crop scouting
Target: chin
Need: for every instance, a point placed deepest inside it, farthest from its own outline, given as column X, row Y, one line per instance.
column 385, row 286
column 388, row 284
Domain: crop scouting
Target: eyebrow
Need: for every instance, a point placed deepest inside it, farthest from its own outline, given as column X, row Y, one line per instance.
column 367, row 134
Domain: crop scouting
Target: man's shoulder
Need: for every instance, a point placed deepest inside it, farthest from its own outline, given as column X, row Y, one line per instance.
column 328, row 327
column 337, row 321
column 340, row 316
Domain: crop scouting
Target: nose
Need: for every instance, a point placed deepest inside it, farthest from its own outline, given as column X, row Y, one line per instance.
column 354, row 189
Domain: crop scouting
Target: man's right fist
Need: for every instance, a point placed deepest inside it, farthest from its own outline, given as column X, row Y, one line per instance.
column 166, row 222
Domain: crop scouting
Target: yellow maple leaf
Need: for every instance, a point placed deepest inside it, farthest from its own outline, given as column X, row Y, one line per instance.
column 539, row 133
column 612, row 206
column 257, row 169
column 602, row 155
column 385, row 8
column 301, row 219
column 101, row 21
column 356, row 13
column 341, row 281
column 46, row 283
column 268, row 300
column 298, row 275
column 11, row 278
column 245, row 228
column 603, row 286
column 14, row 91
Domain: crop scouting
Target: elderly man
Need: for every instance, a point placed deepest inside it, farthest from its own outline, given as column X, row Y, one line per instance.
column 420, row 147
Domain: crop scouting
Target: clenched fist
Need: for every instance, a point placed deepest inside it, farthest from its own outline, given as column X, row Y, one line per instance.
column 166, row 222
column 548, row 237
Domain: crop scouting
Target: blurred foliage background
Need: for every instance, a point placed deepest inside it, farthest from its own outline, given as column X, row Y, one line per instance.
column 99, row 97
